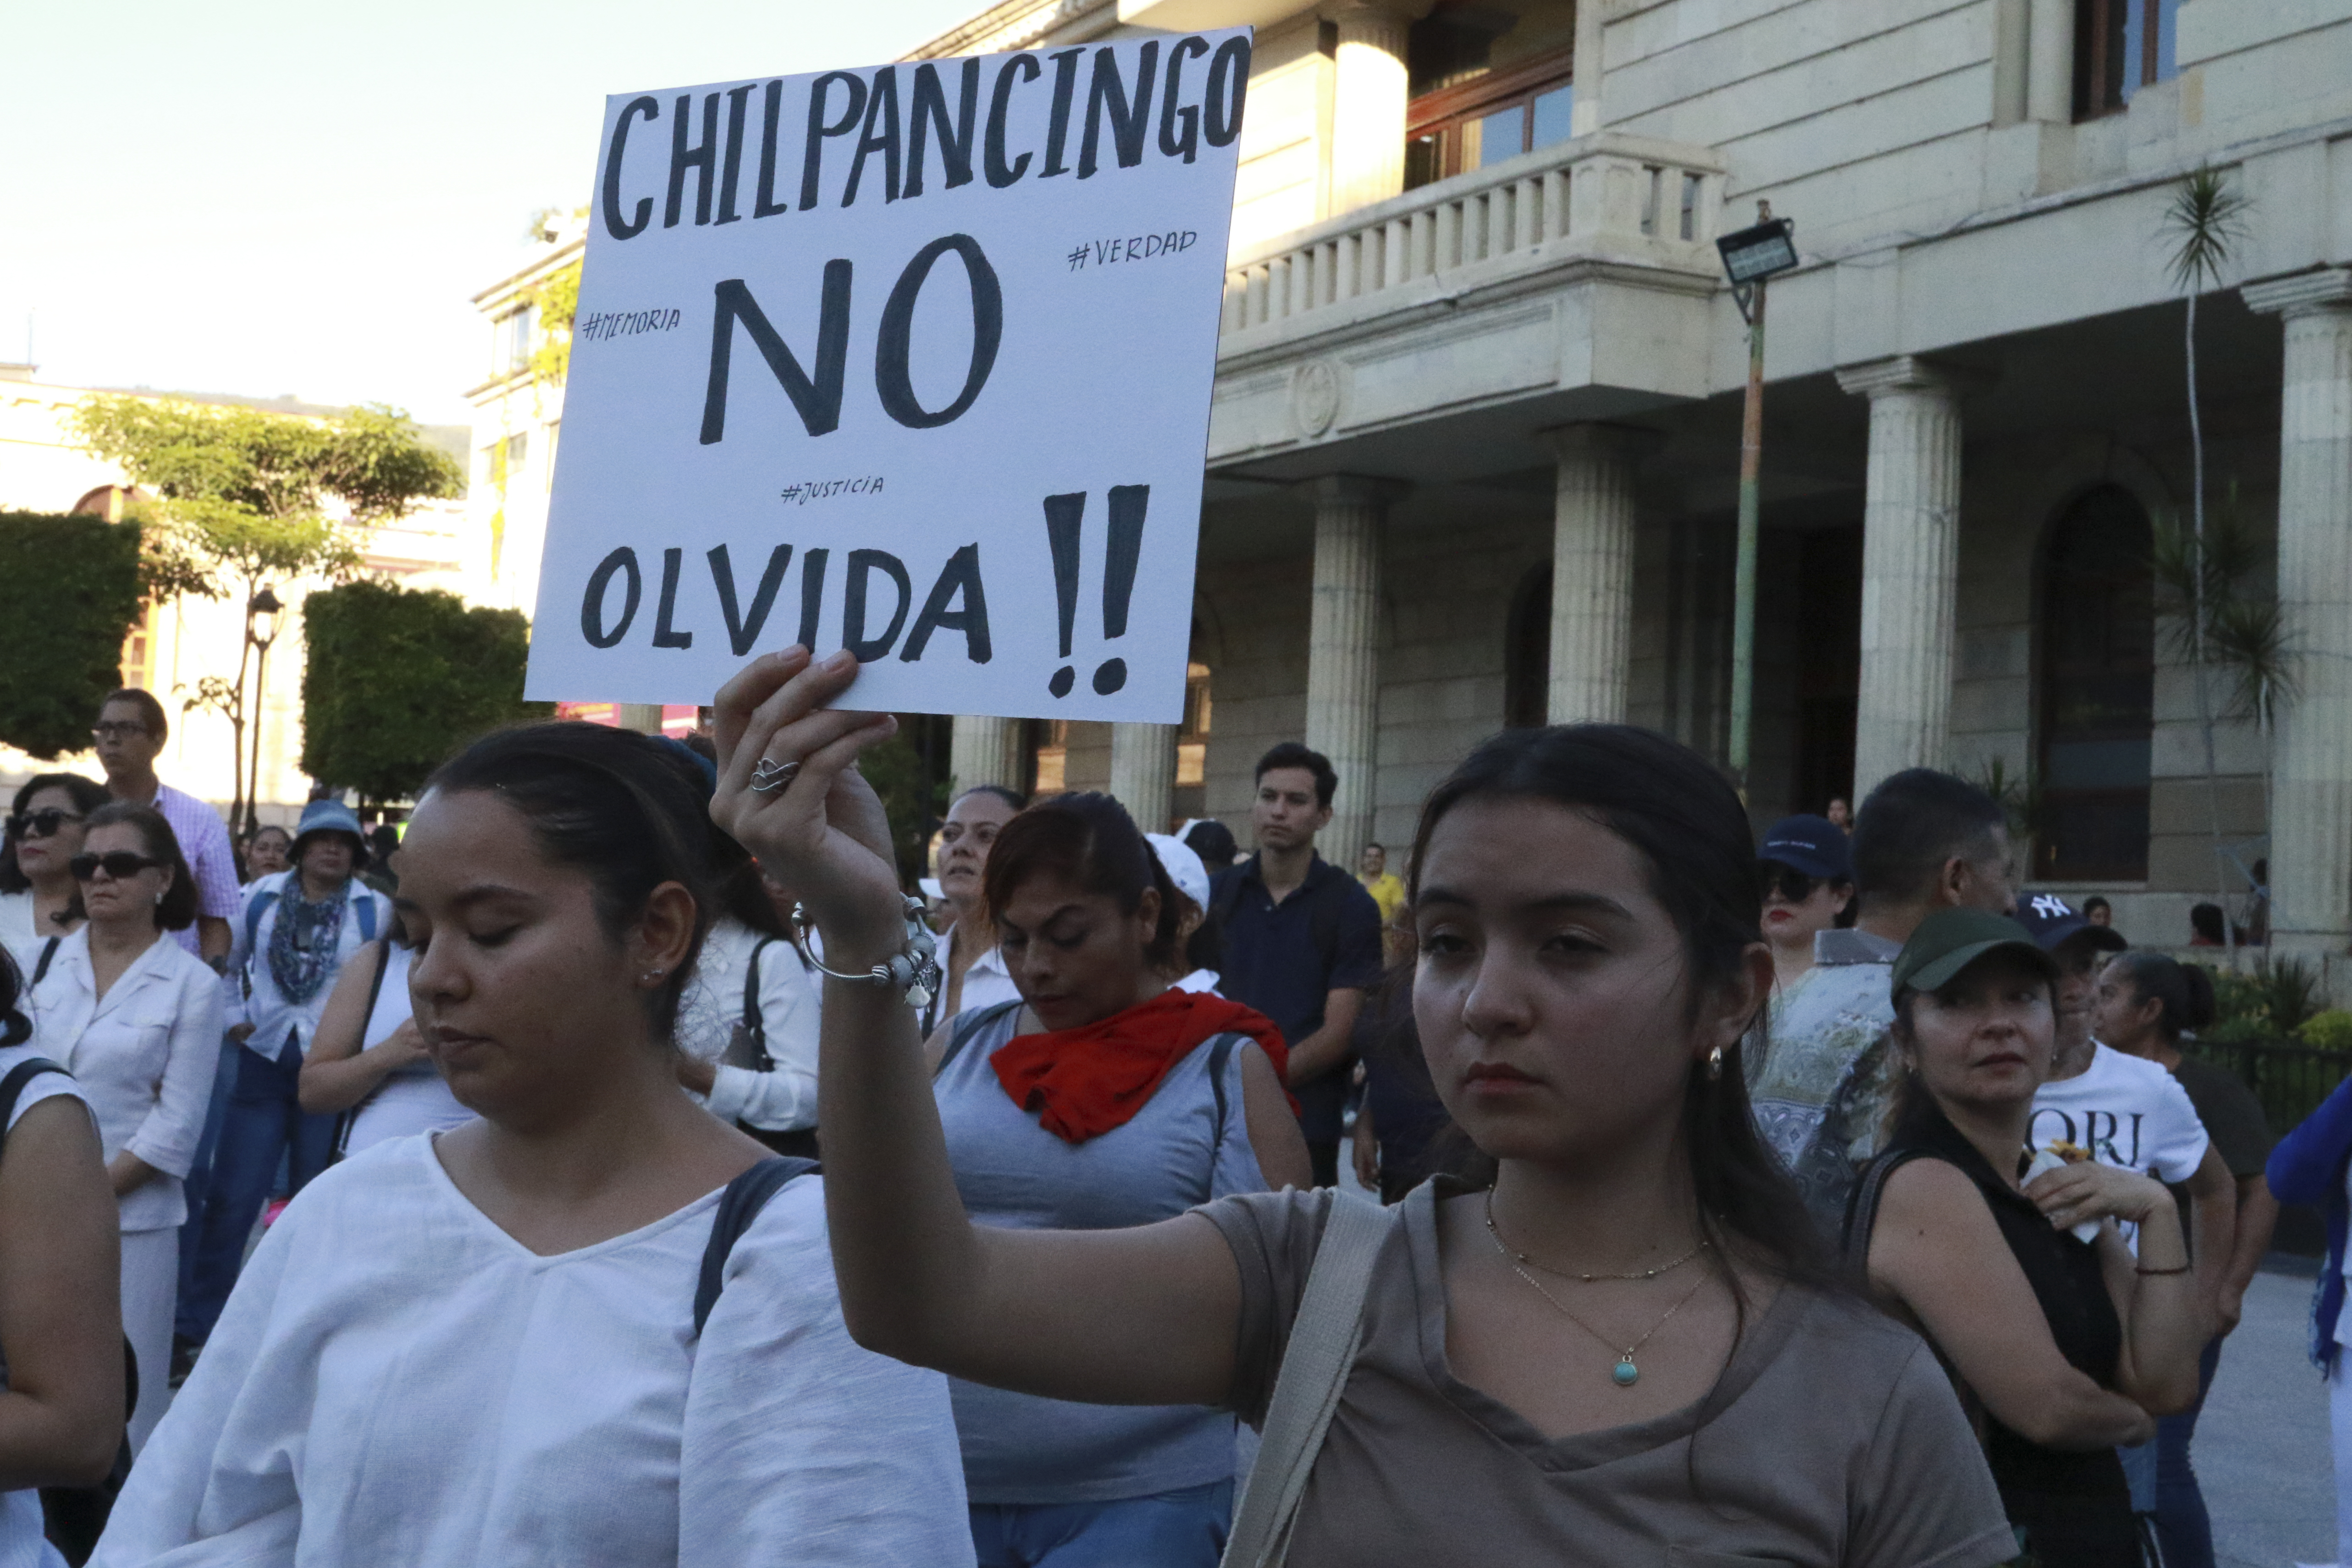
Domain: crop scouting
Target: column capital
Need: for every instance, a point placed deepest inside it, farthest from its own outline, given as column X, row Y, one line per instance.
column 1372, row 12
column 1358, row 490
column 1627, row 443
column 2327, row 289
column 1909, row 372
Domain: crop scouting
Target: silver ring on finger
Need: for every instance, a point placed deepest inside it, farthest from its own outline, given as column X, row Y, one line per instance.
column 770, row 775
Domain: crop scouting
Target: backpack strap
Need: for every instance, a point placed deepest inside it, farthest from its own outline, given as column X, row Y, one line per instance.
column 1324, row 1339
column 49, row 955
column 255, row 908
column 367, row 914
column 745, row 1196
column 11, row 1088
column 969, row 1024
column 754, row 1027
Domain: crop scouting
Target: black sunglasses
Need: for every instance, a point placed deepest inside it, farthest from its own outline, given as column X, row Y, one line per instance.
column 122, row 865
column 41, row 824
column 1787, row 880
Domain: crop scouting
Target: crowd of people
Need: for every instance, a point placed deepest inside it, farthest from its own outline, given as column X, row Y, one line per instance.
column 665, row 1184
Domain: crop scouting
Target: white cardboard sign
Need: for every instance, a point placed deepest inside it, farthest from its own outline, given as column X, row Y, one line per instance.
column 913, row 360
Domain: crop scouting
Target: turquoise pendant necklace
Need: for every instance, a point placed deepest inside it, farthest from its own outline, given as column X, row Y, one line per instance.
column 1626, row 1372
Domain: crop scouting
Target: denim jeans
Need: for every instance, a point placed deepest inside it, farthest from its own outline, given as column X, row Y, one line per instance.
column 198, row 1180
column 1183, row 1529
column 2181, row 1523
column 262, row 1126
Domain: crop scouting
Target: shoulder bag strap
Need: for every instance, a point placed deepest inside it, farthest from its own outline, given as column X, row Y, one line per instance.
column 1862, row 1206
column 745, row 1196
column 1220, row 1052
column 367, row 914
column 375, row 986
column 49, row 955
column 972, row 1024
column 755, row 1026
column 1324, row 1339
column 253, row 910
column 11, row 1088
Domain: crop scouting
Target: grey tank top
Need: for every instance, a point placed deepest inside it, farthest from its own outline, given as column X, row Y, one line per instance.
column 1181, row 1149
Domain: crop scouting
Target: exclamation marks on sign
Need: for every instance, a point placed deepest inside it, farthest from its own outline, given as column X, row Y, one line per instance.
column 1064, row 519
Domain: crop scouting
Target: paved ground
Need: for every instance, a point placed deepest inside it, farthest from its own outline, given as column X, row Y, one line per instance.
column 2261, row 1449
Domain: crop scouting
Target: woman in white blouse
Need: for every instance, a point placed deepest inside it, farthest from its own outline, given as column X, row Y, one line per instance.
column 491, row 1345
column 136, row 1019
column 747, row 1023
column 37, row 890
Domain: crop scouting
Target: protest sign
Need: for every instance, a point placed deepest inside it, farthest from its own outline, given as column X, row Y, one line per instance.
column 914, row 361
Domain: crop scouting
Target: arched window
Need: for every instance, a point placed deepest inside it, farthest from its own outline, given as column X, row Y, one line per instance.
column 2096, row 701
column 1526, row 652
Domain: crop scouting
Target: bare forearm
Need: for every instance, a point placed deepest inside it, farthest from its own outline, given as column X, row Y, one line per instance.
column 2080, row 1416
column 2258, row 1215
column 903, row 1246
column 2166, row 1316
column 2213, row 1216
column 129, row 1173
column 326, row 1086
column 45, row 1443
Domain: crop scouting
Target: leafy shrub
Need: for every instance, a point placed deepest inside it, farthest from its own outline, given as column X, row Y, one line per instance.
column 2328, row 1031
column 68, row 594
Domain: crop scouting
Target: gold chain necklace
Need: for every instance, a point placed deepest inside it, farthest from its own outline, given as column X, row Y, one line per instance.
column 1625, row 1373
column 1583, row 1278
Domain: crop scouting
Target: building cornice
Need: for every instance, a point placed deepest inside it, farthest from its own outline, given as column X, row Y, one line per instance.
column 1909, row 372
column 1014, row 25
column 2324, row 288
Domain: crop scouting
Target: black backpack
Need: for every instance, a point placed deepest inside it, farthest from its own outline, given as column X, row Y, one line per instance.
column 74, row 1517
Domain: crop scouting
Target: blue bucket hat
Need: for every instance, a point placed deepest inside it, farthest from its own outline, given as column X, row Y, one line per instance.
column 1814, row 845
column 329, row 817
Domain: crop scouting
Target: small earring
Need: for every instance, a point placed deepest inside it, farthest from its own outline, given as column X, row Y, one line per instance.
column 158, row 900
column 1715, row 1064
column 653, row 976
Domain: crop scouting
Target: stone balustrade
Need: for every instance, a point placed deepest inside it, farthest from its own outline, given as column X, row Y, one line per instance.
column 1602, row 197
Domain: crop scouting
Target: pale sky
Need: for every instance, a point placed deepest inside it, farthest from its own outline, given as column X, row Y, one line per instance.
column 274, row 196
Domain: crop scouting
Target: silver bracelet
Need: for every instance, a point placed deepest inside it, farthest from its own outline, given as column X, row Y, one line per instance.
column 913, row 972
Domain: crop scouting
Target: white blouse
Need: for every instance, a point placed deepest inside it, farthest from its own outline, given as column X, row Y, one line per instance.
column 398, row 1381
column 711, row 1005
column 145, row 1055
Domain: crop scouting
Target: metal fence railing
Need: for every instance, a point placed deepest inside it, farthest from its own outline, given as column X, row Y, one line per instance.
column 2289, row 1080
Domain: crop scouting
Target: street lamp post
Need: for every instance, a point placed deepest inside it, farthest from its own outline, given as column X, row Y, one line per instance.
column 1750, row 257
column 261, row 612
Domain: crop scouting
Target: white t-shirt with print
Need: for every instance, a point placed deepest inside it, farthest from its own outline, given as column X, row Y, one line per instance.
column 2130, row 1113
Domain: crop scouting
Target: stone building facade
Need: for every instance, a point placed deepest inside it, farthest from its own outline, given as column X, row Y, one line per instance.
column 1473, row 451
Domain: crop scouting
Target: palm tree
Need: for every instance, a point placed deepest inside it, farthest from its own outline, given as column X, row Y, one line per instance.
column 2206, row 221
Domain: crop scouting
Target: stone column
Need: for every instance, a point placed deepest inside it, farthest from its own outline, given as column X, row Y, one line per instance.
column 2311, row 751
column 1143, row 772
column 1368, row 104
column 1343, row 651
column 1591, row 573
column 2050, row 61
column 985, row 752
column 1910, row 566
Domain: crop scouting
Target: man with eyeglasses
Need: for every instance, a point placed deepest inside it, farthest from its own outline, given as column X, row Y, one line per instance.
column 131, row 730
column 1922, row 841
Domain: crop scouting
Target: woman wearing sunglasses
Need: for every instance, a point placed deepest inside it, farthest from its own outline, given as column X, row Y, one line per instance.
column 1808, row 876
column 37, row 890
column 137, row 1020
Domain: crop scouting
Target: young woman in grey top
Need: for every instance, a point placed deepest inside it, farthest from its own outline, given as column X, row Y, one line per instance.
column 1622, row 1350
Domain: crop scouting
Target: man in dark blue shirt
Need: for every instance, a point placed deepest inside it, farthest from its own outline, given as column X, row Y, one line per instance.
column 1302, row 940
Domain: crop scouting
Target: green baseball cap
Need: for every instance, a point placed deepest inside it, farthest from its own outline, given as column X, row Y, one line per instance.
column 1950, row 940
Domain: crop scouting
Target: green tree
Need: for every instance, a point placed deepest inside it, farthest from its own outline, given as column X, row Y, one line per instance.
column 247, row 496
column 396, row 679
column 70, row 591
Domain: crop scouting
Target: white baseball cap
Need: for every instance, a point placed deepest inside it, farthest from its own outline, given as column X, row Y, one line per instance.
column 1184, row 868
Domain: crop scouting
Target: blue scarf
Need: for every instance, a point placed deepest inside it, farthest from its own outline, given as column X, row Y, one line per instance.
column 305, row 940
